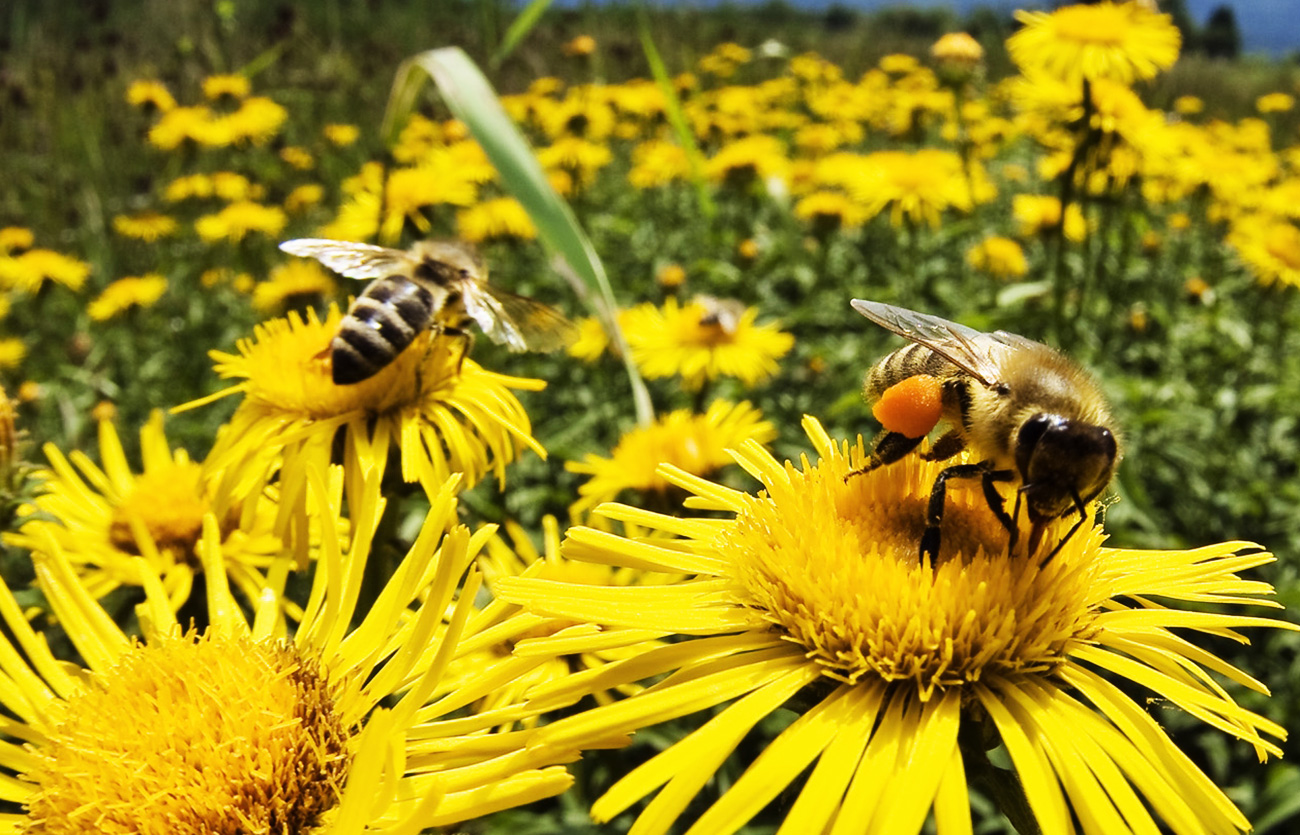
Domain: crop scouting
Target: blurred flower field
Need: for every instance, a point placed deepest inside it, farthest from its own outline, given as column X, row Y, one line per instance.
column 638, row 584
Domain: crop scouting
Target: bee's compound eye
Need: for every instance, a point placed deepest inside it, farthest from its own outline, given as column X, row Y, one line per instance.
column 464, row 274
column 1031, row 432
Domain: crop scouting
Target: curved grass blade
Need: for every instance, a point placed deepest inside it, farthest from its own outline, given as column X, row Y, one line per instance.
column 518, row 30
column 472, row 100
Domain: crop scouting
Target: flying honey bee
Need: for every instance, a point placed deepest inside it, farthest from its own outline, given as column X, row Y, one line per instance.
column 725, row 313
column 1031, row 416
column 439, row 284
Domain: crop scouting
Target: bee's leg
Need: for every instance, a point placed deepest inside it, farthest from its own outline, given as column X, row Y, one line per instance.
column 1083, row 516
column 948, row 445
column 887, row 448
column 991, row 495
column 1015, row 524
column 934, row 513
column 466, row 338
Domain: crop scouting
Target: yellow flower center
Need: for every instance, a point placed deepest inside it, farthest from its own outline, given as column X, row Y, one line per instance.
column 194, row 734
column 1105, row 25
column 835, row 563
column 169, row 501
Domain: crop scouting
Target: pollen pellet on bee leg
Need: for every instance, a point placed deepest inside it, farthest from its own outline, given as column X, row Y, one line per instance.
column 912, row 406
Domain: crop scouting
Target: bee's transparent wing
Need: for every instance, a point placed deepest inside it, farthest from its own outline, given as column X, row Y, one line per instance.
column 968, row 349
column 353, row 260
column 518, row 322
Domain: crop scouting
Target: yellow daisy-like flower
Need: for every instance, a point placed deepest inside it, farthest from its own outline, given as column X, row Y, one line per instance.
column 443, row 412
column 1271, row 248
column 258, row 120
column 155, row 94
column 107, row 519
column 579, row 47
column 12, row 353
column 999, row 257
column 1122, row 42
column 125, row 293
column 1039, row 215
column 298, row 157
column 1275, row 103
column 907, row 669
column 239, row 219
column 697, row 444
column 234, row 86
column 145, row 226
column 247, row 727
column 299, row 283
column 178, row 126
column 575, row 156
column 591, row 342
column 15, row 238
column 341, row 135
column 29, row 270
column 1188, row 105
column 918, row 186
column 303, row 197
column 501, row 217
column 704, row 340
column 958, row 48
column 830, row 210
column 436, row 181
column 743, row 160
column 657, row 162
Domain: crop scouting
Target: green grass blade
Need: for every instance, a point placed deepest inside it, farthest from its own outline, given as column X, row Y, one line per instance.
column 519, row 29
column 472, row 100
column 676, row 118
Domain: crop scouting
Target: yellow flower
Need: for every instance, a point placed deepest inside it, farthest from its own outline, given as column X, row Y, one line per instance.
column 299, row 283
column 239, row 219
column 180, row 125
column 899, row 64
column 436, row 181
column 724, row 60
column 657, row 162
column 105, row 411
column 1122, row 42
column 906, row 670
column 443, row 412
column 592, row 339
column 298, row 157
column 918, row 186
column 125, row 293
column 303, row 197
column 501, row 217
column 341, row 135
column 958, row 54
column 1039, row 215
column 670, row 276
column 580, row 47
column 1275, row 103
column 1271, row 248
column 999, row 257
column 28, row 271
column 107, row 519
column 149, row 92
column 704, row 340
column 257, row 120
column 14, row 238
column 246, row 726
column 578, row 157
column 1188, row 105
column 697, row 444
column 743, row 160
column 234, row 86
column 830, row 210
column 12, row 353
column 145, row 226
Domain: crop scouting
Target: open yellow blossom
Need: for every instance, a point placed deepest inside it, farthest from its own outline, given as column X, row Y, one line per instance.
column 125, row 293
column 697, row 444
column 145, row 226
column 831, row 210
column 917, row 186
column 180, row 125
column 341, row 135
column 1039, row 215
column 500, row 217
column 1271, row 248
column 903, row 670
column 239, row 219
column 243, row 725
column 657, row 162
column 1275, row 103
column 13, row 238
column 155, row 94
column 999, row 257
column 704, row 340
column 442, row 412
column 1122, row 42
column 303, row 197
column 438, row 180
column 107, row 519
column 12, row 353
column 258, row 120
column 298, row 157
column 234, row 86
column 299, row 283
column 27, row 271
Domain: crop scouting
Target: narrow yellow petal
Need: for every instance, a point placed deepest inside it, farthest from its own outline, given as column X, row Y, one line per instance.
column 922, row 763
column 590, row 545
column 1035, row 773
column 692, row 607
column 881, row 755
column 952, row 800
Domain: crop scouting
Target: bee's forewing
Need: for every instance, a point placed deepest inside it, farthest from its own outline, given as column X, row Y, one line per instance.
column 351, row 259
column 518, row 322
column 966, row 348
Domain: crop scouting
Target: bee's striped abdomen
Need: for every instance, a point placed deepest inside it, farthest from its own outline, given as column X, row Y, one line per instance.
column 907, row 361
column 380, row 324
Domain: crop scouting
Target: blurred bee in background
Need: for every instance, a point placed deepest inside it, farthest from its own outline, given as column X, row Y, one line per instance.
column 1031, row 416
column 435, row 284
column 724, row 313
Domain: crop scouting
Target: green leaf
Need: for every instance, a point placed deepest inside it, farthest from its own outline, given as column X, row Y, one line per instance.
column 519, row 29
column 472, row 100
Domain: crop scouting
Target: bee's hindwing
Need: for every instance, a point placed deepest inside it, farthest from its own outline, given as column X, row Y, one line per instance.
column 382, row 321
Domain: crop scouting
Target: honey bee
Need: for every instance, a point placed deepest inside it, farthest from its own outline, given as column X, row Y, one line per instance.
column 1031, row 416
column 723, row 313
column 435, row 284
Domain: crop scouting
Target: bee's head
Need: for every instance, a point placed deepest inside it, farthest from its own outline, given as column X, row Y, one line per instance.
column 1060, row 459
